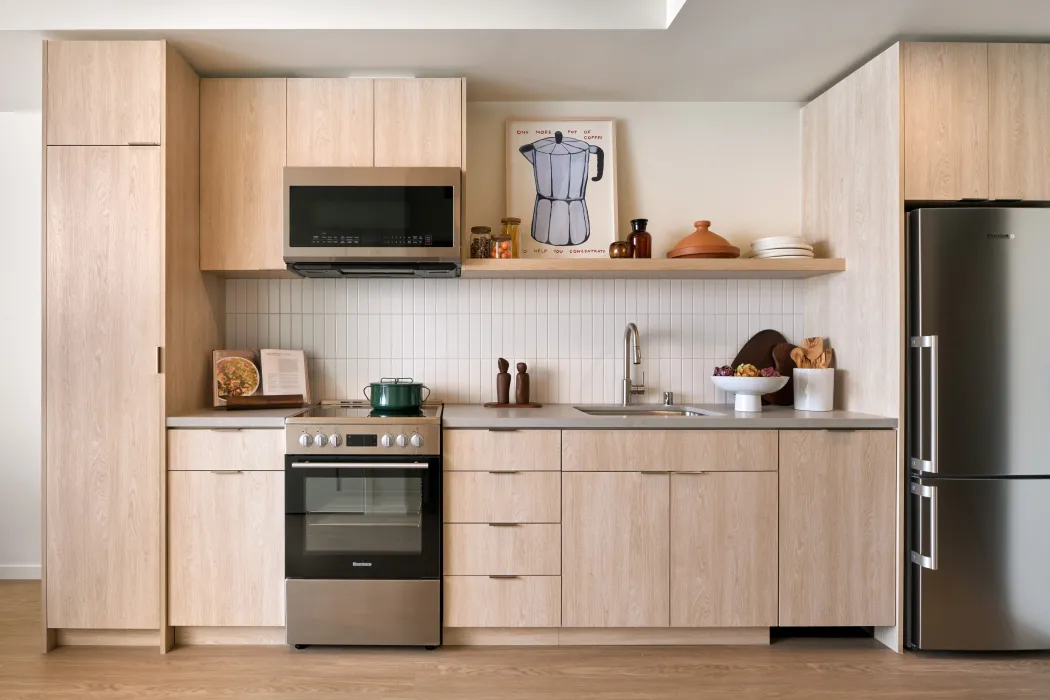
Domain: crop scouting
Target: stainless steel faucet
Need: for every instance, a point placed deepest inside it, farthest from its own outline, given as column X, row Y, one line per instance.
column 632, row 352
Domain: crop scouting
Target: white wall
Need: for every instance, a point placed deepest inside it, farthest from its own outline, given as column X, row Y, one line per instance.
column 20, row 359
column 736, row 164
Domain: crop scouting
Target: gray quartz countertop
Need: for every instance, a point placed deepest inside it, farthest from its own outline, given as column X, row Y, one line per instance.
column 231, row 420
column 722, row 416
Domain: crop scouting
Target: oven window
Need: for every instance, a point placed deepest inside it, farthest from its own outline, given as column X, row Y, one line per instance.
column 414, row 216
column 363, row 514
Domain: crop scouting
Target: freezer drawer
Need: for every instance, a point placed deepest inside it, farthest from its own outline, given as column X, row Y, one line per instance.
column 980, row 564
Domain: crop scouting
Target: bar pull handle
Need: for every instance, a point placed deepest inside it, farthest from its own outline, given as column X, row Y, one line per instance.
column 655, row 471
column 504, row 471
column 503, row 576
column 504, row 524
column 503, row 430
column 930, row 562
column 931, row 342
column 226, row 471
column 160, row 360
column 691, row 473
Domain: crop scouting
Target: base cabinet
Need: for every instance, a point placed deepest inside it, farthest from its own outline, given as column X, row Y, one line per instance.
column 225, row 549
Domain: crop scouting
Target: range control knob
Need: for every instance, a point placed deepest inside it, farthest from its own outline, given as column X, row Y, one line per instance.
column 417, row 440
column 402, row 440
column 387, row 440
column 335, row 439
column 305, row 440
column 320, row 440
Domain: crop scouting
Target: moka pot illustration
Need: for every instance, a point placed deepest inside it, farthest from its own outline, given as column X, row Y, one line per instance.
column 560, row 166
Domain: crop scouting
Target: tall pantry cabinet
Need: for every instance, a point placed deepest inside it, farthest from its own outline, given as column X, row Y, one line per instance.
column 121, row 198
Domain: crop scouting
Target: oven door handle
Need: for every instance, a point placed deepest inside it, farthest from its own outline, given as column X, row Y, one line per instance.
column 360, row 465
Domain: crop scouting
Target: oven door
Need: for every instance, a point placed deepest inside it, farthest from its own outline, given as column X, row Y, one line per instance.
column 334, row 215
column 364, row 518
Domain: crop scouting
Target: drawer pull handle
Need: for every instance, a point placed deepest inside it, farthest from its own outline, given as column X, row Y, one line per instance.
column 693, row 473
column 504, row 471
column 655, row 472
column 504, row 524
column 227, row 471
column 503, row 430
column 225, row 430
column 503, row 576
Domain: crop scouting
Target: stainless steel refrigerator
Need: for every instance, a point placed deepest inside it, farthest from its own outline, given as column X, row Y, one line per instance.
column 978, row 428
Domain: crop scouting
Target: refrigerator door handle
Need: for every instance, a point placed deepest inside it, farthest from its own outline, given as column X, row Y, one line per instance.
column 929, row 562
column 929, row 466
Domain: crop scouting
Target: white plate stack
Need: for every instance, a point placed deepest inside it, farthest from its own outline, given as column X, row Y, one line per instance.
column 783, row 247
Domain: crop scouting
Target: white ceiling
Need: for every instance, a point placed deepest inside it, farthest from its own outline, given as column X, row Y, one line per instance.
column 714, row 50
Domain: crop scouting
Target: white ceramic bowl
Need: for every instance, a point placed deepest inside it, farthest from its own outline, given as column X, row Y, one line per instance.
column 749, row 390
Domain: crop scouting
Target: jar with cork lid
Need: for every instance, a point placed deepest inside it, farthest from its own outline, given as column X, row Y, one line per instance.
column 480, row 241
column 511, row 227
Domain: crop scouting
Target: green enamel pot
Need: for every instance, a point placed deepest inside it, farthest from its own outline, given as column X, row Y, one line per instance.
column 396, row 394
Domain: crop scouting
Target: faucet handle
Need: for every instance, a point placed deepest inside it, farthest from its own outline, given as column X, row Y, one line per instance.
column 639, row 388
column 668, row 398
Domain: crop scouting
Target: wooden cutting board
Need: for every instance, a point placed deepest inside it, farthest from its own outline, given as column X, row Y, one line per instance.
column 758, row 351
column 785, row 365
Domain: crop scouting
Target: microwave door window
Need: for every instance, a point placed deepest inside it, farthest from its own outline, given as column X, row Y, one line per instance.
column 364, row 515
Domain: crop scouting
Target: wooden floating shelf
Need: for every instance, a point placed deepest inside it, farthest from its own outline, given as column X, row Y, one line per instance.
column 680, row 268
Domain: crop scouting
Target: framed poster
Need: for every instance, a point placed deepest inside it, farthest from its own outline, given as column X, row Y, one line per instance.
column 561, row 182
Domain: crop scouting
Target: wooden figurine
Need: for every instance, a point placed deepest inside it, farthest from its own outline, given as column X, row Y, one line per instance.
column 503, row 382
column 521, row 384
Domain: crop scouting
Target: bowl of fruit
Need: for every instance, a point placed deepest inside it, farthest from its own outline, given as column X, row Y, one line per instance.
column 749, row 384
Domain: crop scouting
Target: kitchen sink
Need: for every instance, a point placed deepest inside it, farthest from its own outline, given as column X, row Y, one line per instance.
column 645, row 410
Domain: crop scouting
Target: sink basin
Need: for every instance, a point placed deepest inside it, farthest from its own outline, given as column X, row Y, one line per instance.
column 644, row 410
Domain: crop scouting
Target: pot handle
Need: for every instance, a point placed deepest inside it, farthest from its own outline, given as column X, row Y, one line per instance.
column 601, row 162
column 365, row 392
column 428, row 393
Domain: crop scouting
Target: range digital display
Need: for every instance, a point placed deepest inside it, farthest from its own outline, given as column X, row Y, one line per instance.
column 362, row 440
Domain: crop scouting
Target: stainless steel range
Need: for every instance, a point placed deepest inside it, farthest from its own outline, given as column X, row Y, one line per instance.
column 363, row 526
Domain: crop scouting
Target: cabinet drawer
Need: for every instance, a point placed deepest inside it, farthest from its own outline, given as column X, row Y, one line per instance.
column 509, row 550
column 521, row 601
column 515, row 450
column 515, row 497
column 226, row 450
column 669, row 450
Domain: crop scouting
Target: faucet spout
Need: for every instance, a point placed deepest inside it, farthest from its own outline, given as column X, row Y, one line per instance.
column 632, row 353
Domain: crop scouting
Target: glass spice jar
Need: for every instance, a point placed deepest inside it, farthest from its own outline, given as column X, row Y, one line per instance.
column 640, row 240
column 500, row 247
column 511, row 226
column 480, row 241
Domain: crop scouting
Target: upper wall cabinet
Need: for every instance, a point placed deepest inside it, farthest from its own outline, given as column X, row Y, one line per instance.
column 1019, row 120
column 242, row 160
column 104, row 93
column 419, row 122
column 945, row 121
column 330, row 122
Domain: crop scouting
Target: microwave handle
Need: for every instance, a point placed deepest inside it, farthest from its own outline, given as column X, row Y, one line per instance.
column 360, row 465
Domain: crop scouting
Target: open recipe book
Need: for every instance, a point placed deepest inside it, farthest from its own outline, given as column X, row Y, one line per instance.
column 259, row 373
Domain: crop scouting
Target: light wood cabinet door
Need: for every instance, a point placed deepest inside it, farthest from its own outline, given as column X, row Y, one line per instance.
column 244, row 450
column 837, row 528
column 103, row 400
column 516, row 601
column 226, row 549
column 945, row 121
column 615, row 549
column 1019, row 120
column 515, row 497
column 330, row 122
column 669, row 450
column 104, row 93
column 502, row 550
column 502, row 450
column 419, row 122
column 724, row 549
column 242, row 161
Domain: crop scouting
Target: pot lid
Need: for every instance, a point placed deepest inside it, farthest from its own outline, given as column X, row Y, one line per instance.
column 395, row 381
column 703, row 243
column 560, row 145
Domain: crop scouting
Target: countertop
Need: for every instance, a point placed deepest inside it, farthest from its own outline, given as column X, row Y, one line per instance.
column 231, row 420
column 564, row 416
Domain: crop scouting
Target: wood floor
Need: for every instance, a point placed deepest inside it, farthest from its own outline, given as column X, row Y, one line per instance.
column 809, row 669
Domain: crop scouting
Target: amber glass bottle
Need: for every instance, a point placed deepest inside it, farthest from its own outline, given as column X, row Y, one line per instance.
column 640, row 241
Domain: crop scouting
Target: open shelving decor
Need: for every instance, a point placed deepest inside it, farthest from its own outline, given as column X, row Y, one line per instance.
column 681, row 268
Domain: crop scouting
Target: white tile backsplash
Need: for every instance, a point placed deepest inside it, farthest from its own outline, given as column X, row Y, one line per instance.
column 448, row 333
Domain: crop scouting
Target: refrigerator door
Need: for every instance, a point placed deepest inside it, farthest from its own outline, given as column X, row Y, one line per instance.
column 979, row 356
column 990, row 590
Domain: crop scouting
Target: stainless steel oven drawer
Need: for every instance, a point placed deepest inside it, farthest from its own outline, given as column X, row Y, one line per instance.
column 364, row 612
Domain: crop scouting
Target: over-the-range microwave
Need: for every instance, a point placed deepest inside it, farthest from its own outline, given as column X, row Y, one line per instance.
column 372, row 222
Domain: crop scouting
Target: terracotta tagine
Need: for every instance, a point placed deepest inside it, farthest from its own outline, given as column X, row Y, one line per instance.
column 703, row 243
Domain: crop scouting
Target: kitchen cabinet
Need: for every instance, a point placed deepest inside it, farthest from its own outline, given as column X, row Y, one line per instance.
column 1019, row 121
column 502, row 549
column 946, row 146
column 838, row 523
column 669, row 450
column 616, row 549
column 419, row 122
column 246, row 450
column 102, row 387
column 104, row 93
column 503, row 450
column 518, row 601
column 243, row 137
column 724, row 549
column 226, row 547
column 502, row 497
column 330, row 122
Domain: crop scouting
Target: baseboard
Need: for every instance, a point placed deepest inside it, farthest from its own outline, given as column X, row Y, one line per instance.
column 257, row 636
column 107, row 638
column 19, row 572
column 587, row 636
